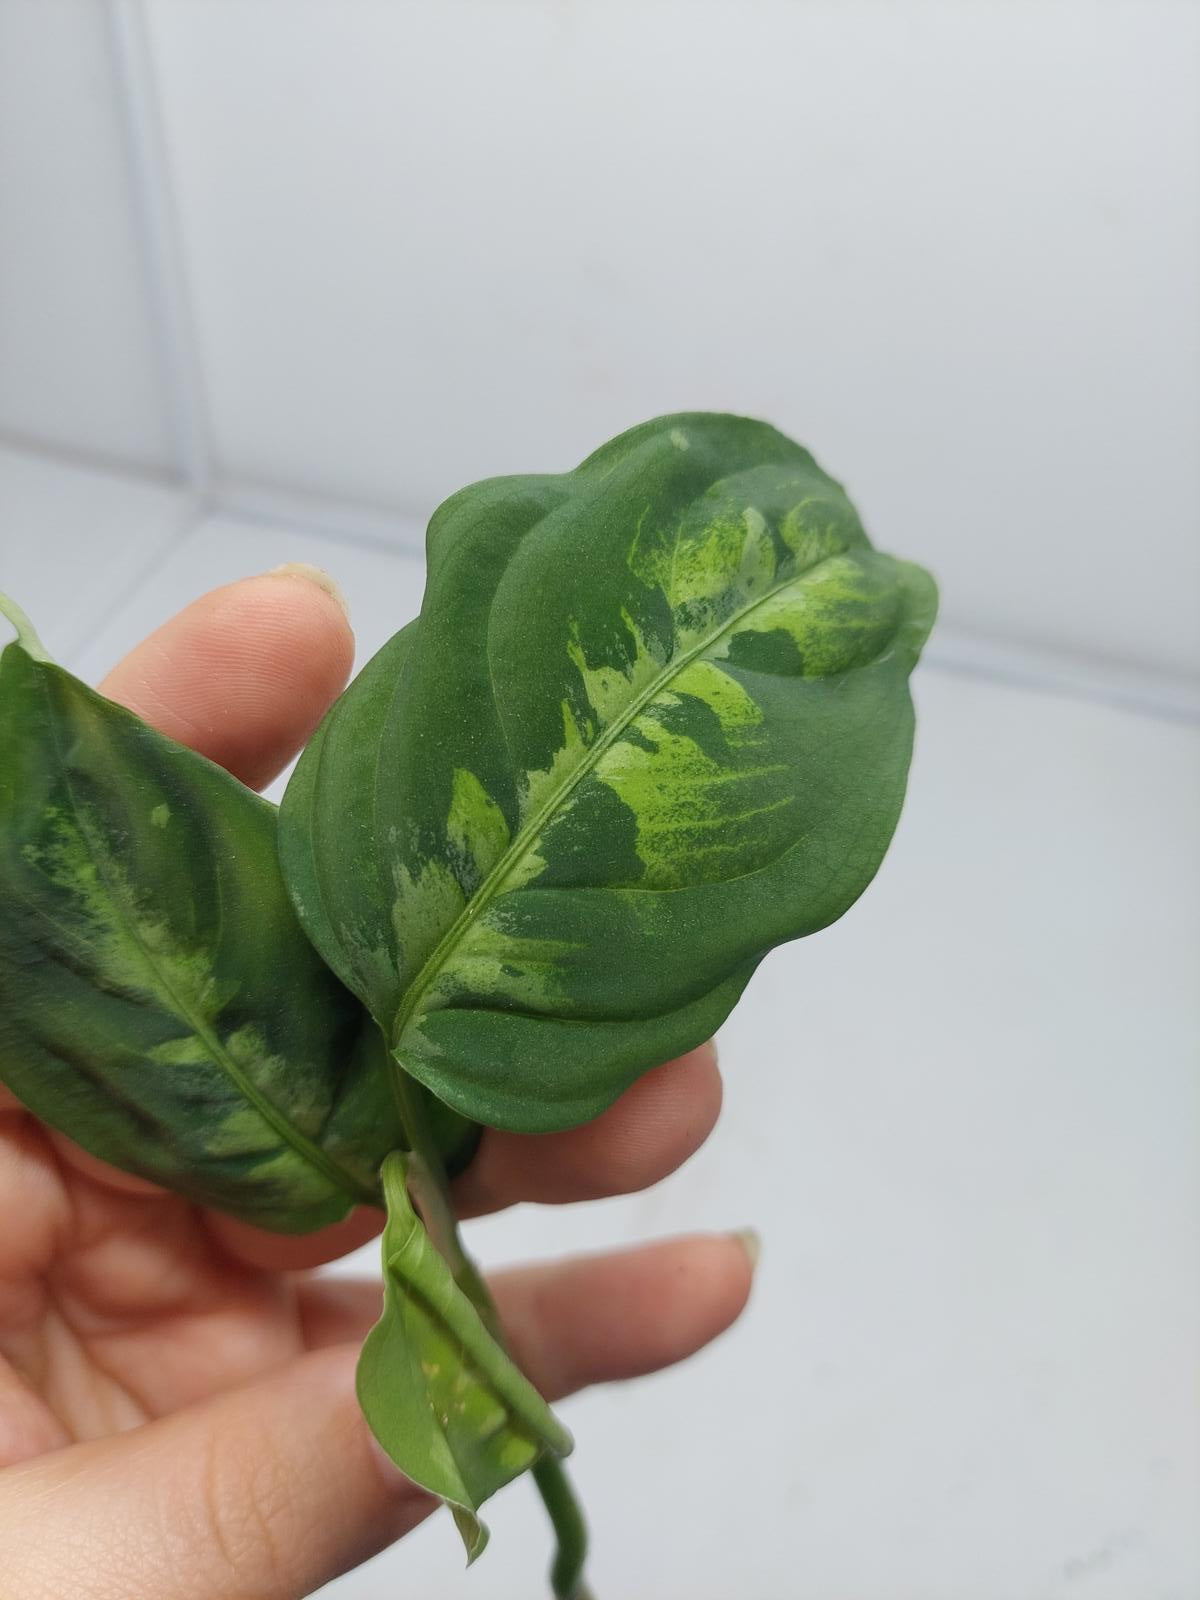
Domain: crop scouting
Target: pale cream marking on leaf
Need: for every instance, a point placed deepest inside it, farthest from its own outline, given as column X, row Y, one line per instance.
column 541, row 781
column 426, row 902
column 735, row 707
column 137, row 951
column 832, row 616
column 609, row 692
column 475, row 829
column 552, row 786
column 492, row 961
column 675, row 787
column 609, row 689
column 718, row 567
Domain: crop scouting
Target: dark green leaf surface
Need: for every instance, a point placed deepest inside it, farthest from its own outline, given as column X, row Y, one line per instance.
column 653, row 720
column 441, row 1396
column 159, row 1002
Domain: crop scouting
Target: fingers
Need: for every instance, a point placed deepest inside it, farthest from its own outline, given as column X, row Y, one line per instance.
column 650, row 1131
column 274, row 1488
column 28, row 1427
column 270, row 1490
column 245, row 673
column 589, row 1320
column 598, row 1318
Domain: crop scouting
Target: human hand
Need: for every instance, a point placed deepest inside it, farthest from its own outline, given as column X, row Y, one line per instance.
column 177, row 1409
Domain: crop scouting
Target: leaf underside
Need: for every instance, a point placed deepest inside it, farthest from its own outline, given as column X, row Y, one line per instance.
column 653, row 720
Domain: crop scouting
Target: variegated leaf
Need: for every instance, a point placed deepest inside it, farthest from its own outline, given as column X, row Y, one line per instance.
column 653, row 720
column 159, row 1001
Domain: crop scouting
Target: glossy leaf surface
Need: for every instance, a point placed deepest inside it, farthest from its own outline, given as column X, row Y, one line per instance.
column 159, row 1002
column 653, row 720
column 440, row 1395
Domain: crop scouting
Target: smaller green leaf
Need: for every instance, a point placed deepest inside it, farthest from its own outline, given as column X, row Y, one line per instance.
column 440, row 1395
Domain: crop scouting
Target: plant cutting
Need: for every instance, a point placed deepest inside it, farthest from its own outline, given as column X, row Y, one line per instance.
column 652, row 720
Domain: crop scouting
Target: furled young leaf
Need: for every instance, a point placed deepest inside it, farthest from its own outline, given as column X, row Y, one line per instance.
column 441, row 1396
column 159, row 1002
column 653, row 720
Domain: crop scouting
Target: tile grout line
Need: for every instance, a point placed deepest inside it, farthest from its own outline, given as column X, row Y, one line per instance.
column 145, row 575
column 1163, row 698
column 1166, row 696
column 344, row 522
column 168, row 302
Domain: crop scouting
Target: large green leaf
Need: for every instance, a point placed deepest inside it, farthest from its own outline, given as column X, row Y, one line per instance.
column 441, row 1396
column 653, row 720
column 159, row 1002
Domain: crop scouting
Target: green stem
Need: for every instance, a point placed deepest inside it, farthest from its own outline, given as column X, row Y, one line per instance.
column 430, row 1191
column 26, row 633
column 570, row 1530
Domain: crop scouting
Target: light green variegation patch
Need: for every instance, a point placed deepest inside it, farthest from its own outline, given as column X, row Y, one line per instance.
column 649, row 555
column 423, row 906
column 818, row 526
column 725, row 563
column 837, row 615
column 540, row 784
column 476, row 831
column 491, row 962
column 711, row 833
column 133, row 944
column 607, row 689
column 730, row 701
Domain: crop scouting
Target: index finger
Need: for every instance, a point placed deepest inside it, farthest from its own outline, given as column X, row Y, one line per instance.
column 245, row 673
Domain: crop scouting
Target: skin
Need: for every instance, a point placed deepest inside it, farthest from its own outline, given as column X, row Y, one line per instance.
column 177, row 1411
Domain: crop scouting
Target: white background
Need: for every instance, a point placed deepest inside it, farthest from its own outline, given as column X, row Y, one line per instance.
column 276, row 275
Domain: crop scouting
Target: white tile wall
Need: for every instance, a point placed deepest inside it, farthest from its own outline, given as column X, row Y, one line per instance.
column 953, row 247
column 74, row 541
column 382, row 586
column 77, row 364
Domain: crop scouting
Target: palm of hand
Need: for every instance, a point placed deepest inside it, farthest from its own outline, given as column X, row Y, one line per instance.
column 118, row 1304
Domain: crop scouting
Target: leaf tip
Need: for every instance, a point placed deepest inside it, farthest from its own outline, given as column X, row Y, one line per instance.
column 474, row 1534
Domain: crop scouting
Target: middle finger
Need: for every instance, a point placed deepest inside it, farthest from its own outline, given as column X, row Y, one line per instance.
column 650, row 1131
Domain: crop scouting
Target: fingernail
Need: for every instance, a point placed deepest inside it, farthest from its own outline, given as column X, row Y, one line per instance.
column 317, row 575
column 751, row 1242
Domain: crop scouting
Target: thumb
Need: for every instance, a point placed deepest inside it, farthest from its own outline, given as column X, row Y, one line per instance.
column 270, row 1490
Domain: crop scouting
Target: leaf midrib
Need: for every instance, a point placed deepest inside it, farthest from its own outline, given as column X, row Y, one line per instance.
column 288, row 1133
column 493, row 882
